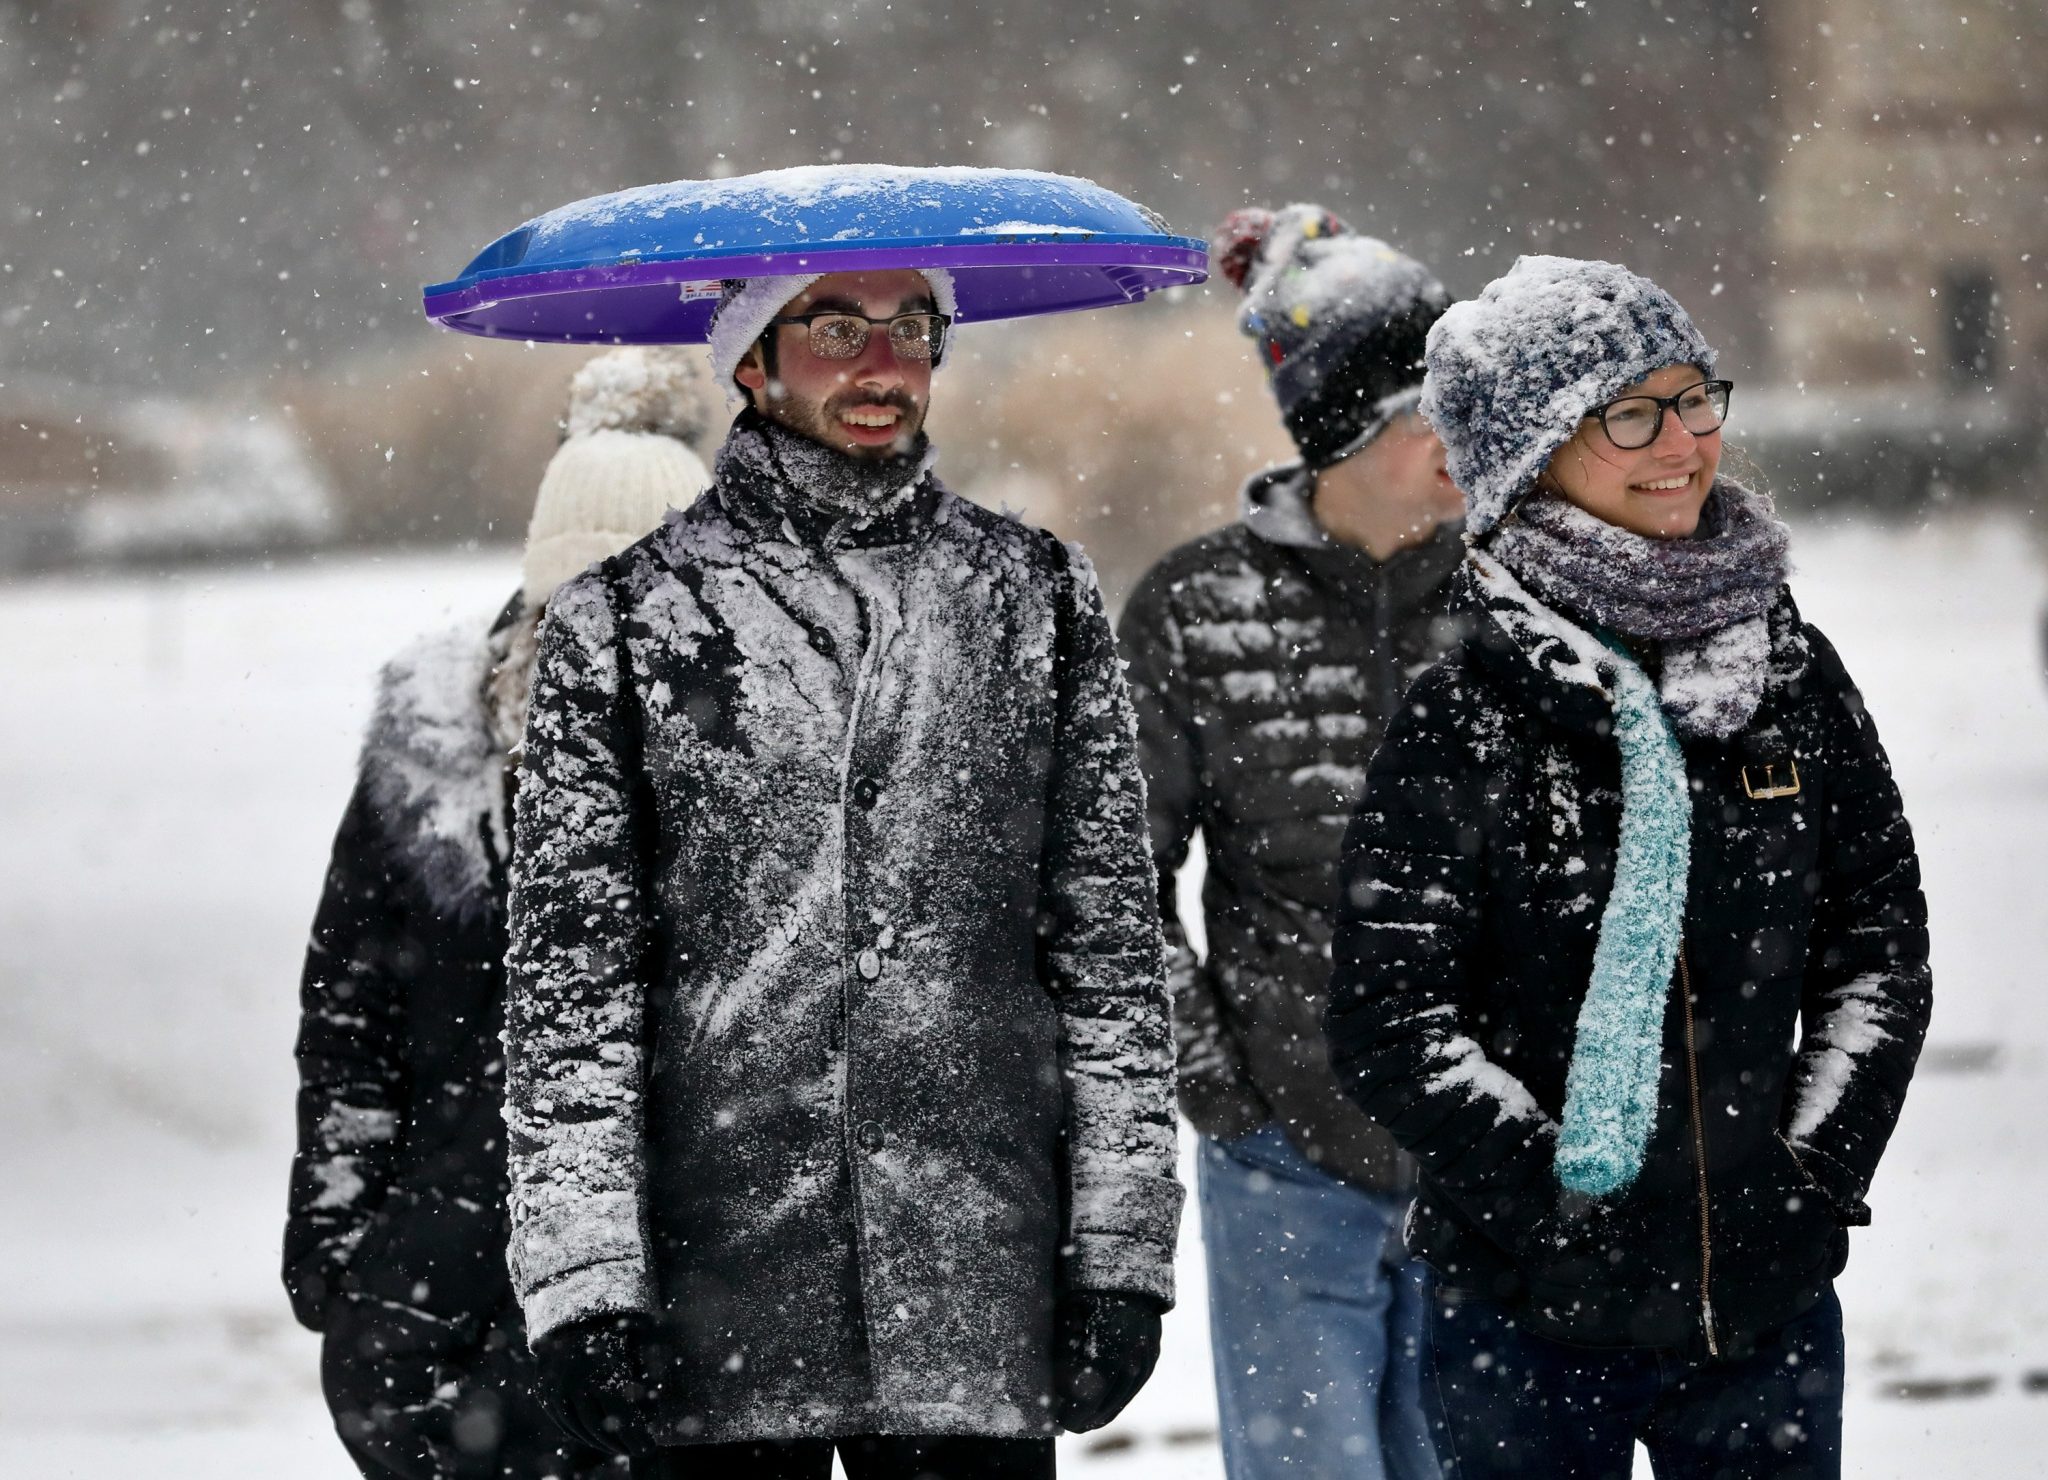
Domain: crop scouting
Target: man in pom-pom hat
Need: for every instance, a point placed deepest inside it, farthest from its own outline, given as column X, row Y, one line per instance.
column 395, row 1241
column 1265, row 661
column 840, row 1064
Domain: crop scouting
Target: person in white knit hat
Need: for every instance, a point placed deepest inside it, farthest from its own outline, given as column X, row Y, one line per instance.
column 636, row 416
column 395, row 1240
column 626, row 458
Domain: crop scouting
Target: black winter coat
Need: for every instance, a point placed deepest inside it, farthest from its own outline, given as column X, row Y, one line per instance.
column 1474, row 879
column 1265, row 660
column 839, row 1036
column 395, row 1240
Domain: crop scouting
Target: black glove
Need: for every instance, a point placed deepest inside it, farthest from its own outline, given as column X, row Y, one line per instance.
column 1104, row 1345
column 592, row 1378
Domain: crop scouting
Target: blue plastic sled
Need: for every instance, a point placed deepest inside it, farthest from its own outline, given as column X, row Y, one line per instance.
column 643, row 266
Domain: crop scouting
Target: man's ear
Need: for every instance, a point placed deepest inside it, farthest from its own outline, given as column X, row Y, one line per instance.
column 752, row 370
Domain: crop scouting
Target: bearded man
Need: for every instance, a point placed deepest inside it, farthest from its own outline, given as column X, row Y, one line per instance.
column 840, row 1069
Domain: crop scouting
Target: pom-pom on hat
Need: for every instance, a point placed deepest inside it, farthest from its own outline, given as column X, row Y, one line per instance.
column 1340, row 320
column 644, row 389
column 624, row 464
column 747, row 304
column 1514, row 371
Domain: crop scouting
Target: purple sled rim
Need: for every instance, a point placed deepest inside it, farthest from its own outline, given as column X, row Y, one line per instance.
column 1135, row 268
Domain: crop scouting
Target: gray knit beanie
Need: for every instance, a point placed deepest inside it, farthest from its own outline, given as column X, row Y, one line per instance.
column 1512, row 372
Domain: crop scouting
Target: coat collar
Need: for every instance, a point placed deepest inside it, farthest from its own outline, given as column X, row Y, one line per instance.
column 753, row 489
column 1275, row 507
column 1277, row 510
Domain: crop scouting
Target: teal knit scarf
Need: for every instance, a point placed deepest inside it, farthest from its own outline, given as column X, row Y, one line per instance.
column 1617, row 1055
column 1610, row 1099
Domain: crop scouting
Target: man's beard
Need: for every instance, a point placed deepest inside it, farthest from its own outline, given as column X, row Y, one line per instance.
column 818, row 472
column 819, row 420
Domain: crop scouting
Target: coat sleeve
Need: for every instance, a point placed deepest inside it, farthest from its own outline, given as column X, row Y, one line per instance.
column 1404, row 1032
column 1102, row 962
column 575, row 981
column 1868, row 992
column 1216, row 1091
column 353, row 1084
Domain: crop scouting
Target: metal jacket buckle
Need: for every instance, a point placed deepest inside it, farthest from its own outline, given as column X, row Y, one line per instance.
column 1772, row 787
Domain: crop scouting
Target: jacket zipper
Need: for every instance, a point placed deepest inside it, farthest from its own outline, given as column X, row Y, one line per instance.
column 1699, row 1149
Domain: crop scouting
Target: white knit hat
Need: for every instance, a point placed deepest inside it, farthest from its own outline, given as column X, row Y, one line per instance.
column 749, row 303
column 624, row 464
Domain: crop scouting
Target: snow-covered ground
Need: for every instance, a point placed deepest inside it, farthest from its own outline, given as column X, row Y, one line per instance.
column 175, row 752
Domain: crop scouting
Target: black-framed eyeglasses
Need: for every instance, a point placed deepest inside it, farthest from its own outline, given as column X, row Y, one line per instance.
column 1632, row 422
column 838, row 335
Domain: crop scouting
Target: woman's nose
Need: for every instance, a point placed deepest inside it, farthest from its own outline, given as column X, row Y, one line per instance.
column 1673, row 440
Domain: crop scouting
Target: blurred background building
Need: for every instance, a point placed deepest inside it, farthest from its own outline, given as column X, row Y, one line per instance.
column 1908, row 213
column 232, row 207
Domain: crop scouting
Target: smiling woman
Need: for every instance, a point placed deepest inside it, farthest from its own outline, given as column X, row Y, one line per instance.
column 1633, row 465
column 1630, row 863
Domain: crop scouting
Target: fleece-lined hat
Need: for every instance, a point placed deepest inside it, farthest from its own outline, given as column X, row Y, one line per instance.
column 624, row 464
column 747, row 304
column 1340, row 321
column 1514, row 371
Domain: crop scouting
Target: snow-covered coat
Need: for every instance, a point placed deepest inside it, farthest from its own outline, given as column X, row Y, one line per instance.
column 1265, row 661
column 838, row 1035
column 1475, row 874
column 395, row 1236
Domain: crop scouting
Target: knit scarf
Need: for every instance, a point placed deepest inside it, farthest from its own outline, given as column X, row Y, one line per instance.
column 1610, row 1088
column 1703, row 599
column 1611, row 1084
column 811, row 481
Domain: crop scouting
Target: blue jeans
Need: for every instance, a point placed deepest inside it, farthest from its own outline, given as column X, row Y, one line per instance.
column 1315, row 1319
column 1508, row 1403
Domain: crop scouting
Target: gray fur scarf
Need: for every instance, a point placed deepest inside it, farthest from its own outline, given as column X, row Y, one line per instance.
column 434, row 759
column 1703, row 600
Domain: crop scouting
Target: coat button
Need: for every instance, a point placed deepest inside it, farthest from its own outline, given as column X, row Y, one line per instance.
column 822, row 641
column 865, row 792
column 870, row 964
column 870, row 1136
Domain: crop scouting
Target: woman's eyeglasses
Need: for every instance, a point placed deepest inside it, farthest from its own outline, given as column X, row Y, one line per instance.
column 837, row 335
column 1634, row 421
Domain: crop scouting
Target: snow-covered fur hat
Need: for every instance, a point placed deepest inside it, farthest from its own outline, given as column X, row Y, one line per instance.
column 747, row 304
column 1340, row 320
column 624, row 464
column 1514, row 371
